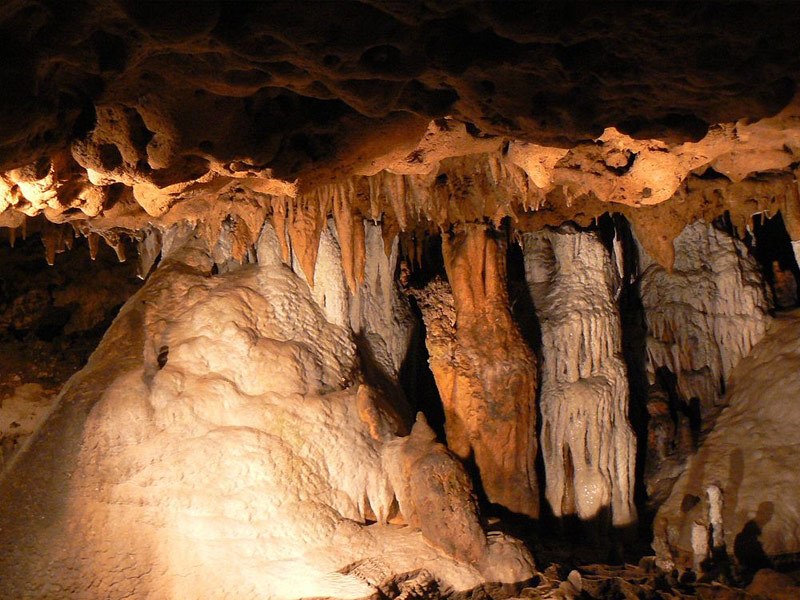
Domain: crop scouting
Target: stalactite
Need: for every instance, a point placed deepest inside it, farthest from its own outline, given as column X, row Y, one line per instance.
column 306, row 218
column 279, row 215
column 705, row 315
column 350, row 228
column 149, row 248
column 330, row 287
column 587, row 444
column 53, row 240
column 791, row 219
column 379, row 313
column 485, row 373
column 94, row 244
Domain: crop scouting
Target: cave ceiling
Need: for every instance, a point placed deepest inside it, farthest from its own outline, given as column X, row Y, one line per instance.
column 127, row 114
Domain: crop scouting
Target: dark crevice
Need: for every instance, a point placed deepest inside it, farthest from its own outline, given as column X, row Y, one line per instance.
column 771, row 246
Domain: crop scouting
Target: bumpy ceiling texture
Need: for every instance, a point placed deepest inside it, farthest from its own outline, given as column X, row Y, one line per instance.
column 116, row 114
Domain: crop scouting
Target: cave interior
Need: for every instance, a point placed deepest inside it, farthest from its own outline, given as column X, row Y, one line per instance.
column 399, row 300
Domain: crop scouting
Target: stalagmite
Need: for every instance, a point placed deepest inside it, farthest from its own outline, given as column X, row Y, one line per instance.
column 714, row 495
column 704, row 315
column 223, row 420
column 587, row 444
column 699, row 546
column 484, row 370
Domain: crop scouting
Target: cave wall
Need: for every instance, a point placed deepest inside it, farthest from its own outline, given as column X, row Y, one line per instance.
column 358, row 131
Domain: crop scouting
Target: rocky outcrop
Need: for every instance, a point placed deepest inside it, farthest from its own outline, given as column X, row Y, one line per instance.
column 485, row 373
column 224, row 420
column 750, row 457
column 587, row 444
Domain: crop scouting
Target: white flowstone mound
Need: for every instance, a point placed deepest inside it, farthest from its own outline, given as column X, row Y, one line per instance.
column 588, row 447
column 221, row 444
column 706, row 314
column 751, row 457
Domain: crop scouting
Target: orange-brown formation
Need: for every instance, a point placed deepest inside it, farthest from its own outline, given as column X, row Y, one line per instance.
column 485, row 372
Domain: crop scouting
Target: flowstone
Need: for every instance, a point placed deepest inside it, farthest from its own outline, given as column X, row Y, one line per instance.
column 750, row 457
column 587, row 444
column 224, row 421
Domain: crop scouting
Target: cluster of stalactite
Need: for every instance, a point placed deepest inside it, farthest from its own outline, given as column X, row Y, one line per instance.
column 701, row 317
column 587, row 444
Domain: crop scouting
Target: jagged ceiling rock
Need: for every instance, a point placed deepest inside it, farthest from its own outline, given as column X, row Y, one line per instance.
column 161, row 102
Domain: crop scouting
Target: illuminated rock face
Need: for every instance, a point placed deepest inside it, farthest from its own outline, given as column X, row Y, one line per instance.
column 704, row 315
column 588, row 447
column 750, row 456
column 221, row 443
column 485, row 373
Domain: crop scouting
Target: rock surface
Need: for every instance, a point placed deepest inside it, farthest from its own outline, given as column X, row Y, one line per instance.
column 122, row 114
column 588, row 447
column 223, row 420
column 750, row 457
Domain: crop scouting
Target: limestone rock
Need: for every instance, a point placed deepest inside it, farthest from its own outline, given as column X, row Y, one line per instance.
column 587, row 443
column 750, row 456
column 223, row 420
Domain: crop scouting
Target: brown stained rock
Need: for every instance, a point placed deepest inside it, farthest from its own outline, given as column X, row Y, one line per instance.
column 173, row 101
column 769, row 585
column 485, row 373
column 435, row 494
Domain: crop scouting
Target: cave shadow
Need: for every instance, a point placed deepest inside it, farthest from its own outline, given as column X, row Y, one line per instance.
column 377, row 377
column 415, row 376
column 747, row 547
column 523, row 314
column 771, row 246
